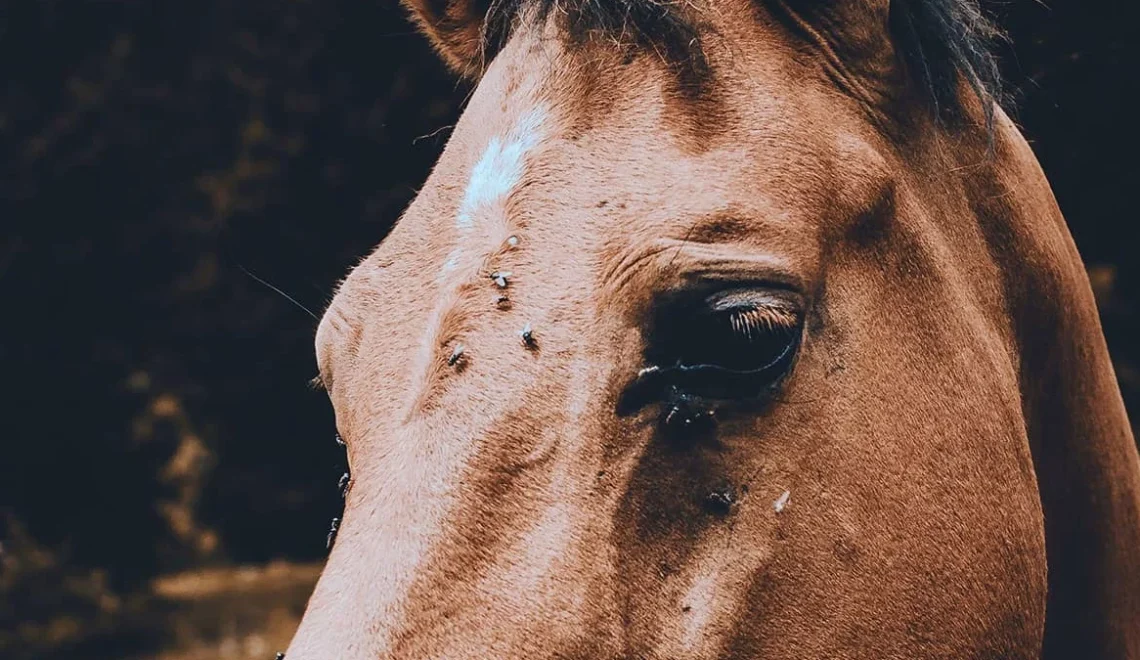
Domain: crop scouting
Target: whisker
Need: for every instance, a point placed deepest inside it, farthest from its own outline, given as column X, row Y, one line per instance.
column 279, row 291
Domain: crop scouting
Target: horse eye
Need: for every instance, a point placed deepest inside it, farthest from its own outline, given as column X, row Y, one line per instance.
column 740, row 332
column 729, row 346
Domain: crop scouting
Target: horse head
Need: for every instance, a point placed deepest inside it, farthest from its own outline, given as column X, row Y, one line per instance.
column 731, row 328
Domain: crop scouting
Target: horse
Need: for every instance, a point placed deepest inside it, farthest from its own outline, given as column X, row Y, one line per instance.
column 726, row 329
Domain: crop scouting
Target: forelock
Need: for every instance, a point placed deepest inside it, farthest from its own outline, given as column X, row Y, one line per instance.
column 941, row 42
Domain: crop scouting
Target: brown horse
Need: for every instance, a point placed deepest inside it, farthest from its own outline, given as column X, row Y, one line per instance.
column 726, row 328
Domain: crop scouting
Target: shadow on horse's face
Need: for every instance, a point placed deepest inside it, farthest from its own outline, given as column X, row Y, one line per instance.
column 649, row 370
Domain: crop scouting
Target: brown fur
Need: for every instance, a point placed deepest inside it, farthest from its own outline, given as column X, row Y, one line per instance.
column 961, row 477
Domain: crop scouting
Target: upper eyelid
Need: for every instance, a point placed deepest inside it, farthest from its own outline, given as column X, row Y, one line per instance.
column 689, row 262
column 761, row 294
column 666, row 265
column 710, row 265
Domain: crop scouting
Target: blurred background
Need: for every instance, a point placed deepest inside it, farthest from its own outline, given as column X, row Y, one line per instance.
column 167, row 476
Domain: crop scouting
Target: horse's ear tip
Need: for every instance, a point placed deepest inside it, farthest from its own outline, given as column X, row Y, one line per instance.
column 455, row 30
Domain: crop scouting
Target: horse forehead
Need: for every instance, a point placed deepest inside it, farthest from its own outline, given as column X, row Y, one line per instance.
column 526, row 128
column 500, row 166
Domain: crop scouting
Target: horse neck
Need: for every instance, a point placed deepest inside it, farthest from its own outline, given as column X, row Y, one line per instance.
column 1083, row 449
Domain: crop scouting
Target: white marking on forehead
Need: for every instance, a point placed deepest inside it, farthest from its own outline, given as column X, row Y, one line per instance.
column 433, row 462
column 500, row 167
column 452, row 260
column 496, row 173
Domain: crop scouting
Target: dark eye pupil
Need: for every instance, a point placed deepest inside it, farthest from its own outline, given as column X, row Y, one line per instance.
column 738, row 339
column 736, row 345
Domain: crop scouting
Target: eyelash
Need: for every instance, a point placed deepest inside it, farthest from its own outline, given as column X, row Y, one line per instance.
column 746, row 322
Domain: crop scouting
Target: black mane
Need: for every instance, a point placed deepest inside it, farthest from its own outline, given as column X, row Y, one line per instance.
column 941, row 41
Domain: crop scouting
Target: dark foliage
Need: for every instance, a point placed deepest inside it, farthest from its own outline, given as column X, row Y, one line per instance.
column 155, row 408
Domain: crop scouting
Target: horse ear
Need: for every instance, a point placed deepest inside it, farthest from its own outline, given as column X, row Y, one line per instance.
column 455, row 28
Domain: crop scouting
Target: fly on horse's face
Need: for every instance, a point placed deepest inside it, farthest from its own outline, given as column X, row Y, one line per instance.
column 725, row 343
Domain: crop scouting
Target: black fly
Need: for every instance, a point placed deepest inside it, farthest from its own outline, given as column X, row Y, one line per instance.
column 687, row 412
column 502, row 279
column 720, row 501
column 456, row 355
column 527, row 336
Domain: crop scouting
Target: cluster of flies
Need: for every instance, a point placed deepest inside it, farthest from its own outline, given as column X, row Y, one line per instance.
column 501, row 279
column 683, row 413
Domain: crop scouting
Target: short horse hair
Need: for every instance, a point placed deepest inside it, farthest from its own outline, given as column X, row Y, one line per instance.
column 941, row 42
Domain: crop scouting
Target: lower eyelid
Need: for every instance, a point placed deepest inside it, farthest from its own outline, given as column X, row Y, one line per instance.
column 654, row 383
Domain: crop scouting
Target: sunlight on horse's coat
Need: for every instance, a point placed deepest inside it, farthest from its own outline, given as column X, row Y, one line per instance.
column 435, row 463
column 701, row 601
